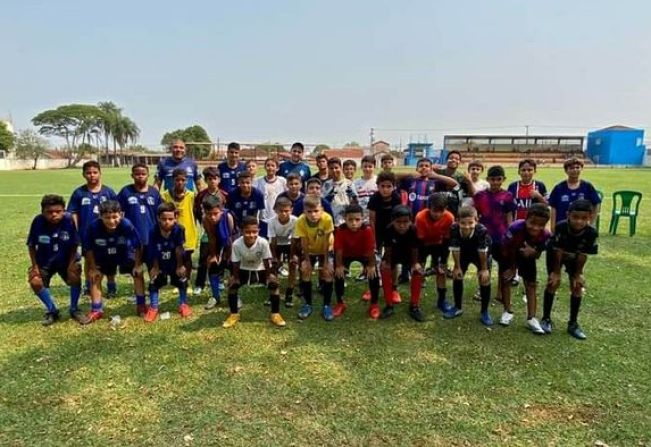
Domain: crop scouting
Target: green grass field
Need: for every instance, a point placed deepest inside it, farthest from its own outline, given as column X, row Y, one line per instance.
column 349, row 382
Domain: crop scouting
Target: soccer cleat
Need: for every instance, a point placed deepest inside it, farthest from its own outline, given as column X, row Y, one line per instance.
column 339, row 309
column 231, row 321
column 366, row 296
column 185, row 310
column 516, row 281
column 416, row 314
column 534, row 325
column 546, row 325
column 80, row 317
column 197, row 291
column 305, row 311
column 141, row 310
column 575, row 331
column 486, row 319
column 443, row 306
column 94, row 315
column 211, row 303
column 396, row 298
column 387, row 312
column 524, row 298
column 327, row 314
column 452, row 312
column 267, row 302
column 506, row 318
column 49, row 318
column 374, row 312
column 151, row 315
column 277, row 320
column 288, row 301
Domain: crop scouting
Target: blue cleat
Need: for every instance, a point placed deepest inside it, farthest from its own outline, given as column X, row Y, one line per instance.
column 486, row 319
column 327, row 313
column 575, row 331
column 443, row 306
column 546, row 325
column 452, row 312
column 305, row 312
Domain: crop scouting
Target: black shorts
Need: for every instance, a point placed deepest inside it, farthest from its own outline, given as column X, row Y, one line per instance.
column 126, row 268
column 161, row 280
column 526, row 268
column 48, row 272
column 465, row 259
column 439, row 254
column 283, row 252
column 568, row 263
column 252, row 277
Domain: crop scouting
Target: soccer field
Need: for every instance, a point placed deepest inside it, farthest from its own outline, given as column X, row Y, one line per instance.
column 349, row 382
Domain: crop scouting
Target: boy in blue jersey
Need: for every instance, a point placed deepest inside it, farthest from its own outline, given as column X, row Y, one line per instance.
column 570, row 190
column 52, row 242
column 111, row 244
column 165, row 253
column 313, row 187
column 419, row 189
column 295, row 164
column 139, row 202
column 84, row 208
column 230, row 168
column 245, row 200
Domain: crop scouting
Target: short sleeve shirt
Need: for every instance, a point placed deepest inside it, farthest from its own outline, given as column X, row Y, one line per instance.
column 251, row 258
column 229, row 175
column 433, row 232
column 354, row 244
column 401, row 245
column 53, row 243
column 382, row 209
column 340, row 194
column 561, row 197
column 111, row 248
column 86, row 204
column 365, row 189
column 572, row 243
column 166, row 167
column 493, row 209
column 517, row 236
column 185, row 209
column 522, row 196
column 477, row 241
column 301, row 169
column 270, row 192
column 282, row 232
column 140, row 208
column 318, row 235
column 163, row 249
column 242, row 207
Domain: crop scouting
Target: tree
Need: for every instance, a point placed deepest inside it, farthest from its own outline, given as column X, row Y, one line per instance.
column 319, row 148
column 192, row 134
column 78, row 124
column 118, row 127
column 269, row 149
column 352, row 144
column 6, row 137
column 30, row 146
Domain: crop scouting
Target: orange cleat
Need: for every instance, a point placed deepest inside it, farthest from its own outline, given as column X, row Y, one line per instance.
column 185, row 310
column 366, row 296
column 151, row 315
column 395, row 297
column 95, row 315
column 339, row 309
column 374, row 312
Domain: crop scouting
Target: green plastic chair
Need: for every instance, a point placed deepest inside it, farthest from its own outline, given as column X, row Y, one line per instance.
column 601, row 198
column 629, row 205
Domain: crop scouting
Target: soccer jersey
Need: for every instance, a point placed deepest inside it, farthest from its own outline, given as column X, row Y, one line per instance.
column 561, row 197
column 163, row 249
column 572, row 243
column 401, row 245
column 111, row 248
column 140, row 208
column 166, row 167
column 433, row 232
column 53, row 243
column 354, row 244
column 477, row 241
column 382, row 209
column 418, row 191
column 185, row 209
column 281, row 231
column 251, row 258
column 365, row 189
column 242, row 207
column 301, row 169
column 294, row 200
column 228, row 175
column 522, row 196
column 493, row 209
column 340, row 194
column 86, row 203
column 270, row 192
column 517, row 236
column 318, row 234
column 299, row 206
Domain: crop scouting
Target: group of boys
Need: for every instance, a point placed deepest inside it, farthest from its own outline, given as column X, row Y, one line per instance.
column 292, row 223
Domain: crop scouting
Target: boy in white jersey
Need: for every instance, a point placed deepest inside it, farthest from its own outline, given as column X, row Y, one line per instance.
column 281, row 230
column 271, row 186
column 338, row 190
column 366, row 185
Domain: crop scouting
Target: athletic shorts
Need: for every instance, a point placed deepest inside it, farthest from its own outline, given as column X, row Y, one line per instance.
column 466, row 259
column 48, row 272
column 526, row 268
column 126, row 268
column 568, row 263
column 439, row 254
column 283, row 252
column 162, row 280
column 252, row 277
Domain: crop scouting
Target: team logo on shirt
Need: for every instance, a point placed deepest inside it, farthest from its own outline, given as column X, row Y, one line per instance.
column 565, row 198
column 132, row 201
column 122, row 240
column 150, row 200
column 44, row 239
column 64, row 236
column 85, row 201
column 100, row 242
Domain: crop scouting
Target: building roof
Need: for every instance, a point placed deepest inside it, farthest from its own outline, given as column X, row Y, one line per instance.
column 355, row 152
column 617, row 127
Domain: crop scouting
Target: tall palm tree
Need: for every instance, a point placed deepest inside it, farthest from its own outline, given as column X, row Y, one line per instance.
column 111, row 115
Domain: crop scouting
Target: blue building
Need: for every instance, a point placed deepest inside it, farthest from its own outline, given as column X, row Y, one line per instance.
column 416, row 151
column 616, row 145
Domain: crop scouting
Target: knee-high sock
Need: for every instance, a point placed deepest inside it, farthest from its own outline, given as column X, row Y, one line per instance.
column 183, row 295
column 327, row 293
column 275, row 303
column 457, row 291
column 153, row 298
column 485, row 294
column 75, row 293
column 387, row 287
column 575, row 305
column 232, row 302
column 548, row 302
column 306, row 286
column 111, row 286
column 374, row 287
column 46, row 299
column 214, row 285
column 339, row 289
column 416, row 286
column 441, row 291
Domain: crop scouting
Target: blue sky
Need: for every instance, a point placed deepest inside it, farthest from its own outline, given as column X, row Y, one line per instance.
column 325, row 72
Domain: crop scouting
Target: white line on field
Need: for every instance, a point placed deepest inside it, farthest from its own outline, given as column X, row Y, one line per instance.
column 22, row 195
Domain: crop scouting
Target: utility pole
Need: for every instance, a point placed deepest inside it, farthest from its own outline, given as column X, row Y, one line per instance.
column 372, row 140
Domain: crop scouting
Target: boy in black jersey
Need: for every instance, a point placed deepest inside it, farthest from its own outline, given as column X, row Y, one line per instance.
column 470, row 244
column 572, row 241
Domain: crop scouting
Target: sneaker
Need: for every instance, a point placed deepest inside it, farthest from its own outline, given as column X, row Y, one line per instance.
column 305, row 312
column 80, row 317
column 546, row 325
column 416, row 314
column 575, row 331
column 222, row 286
column 231, row 320
column 374, row 312
column 506, row 318
column 211, row 303
column 94, row 315
column 131, row 299
column 289, row 302
column 267, row 302
column 396, row 298
column 524, row 298
column 326, row 312
column 151, row 315
column 141, row 310
column 387, row 312
column 477, row 296
column 185, row 310
column 366, row 296
column 197, row 291
column 277, row 320
column 49, row 318
column 339, row 309
column 452, row 312
column 240, row 304
column 534, row 325
column 443, row 306
column 486, row 319
column 516, row 281
column 282, row 271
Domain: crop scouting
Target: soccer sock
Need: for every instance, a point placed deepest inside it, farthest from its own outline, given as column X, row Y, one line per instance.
column 232, row 302
column 575, row 304
column 75, row 293
column 214, row 285
column 46, row 298
column 485, row 294
column 387, row 287
column 307, row 291
column 96, row 306
column 183, row 295
column 111, row 286
column 374, row 287
column 441, row 294
column 87, row 284
column 548, row 302
column 200, row 279
column 457, row 291
column 140, row 300
column 327, row 293
column 339, row 289
column 275, row 303
column 415, row 287
column 153, row 298
column 289, row 294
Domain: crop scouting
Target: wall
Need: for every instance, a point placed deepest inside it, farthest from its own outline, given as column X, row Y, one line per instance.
column 7, row 164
